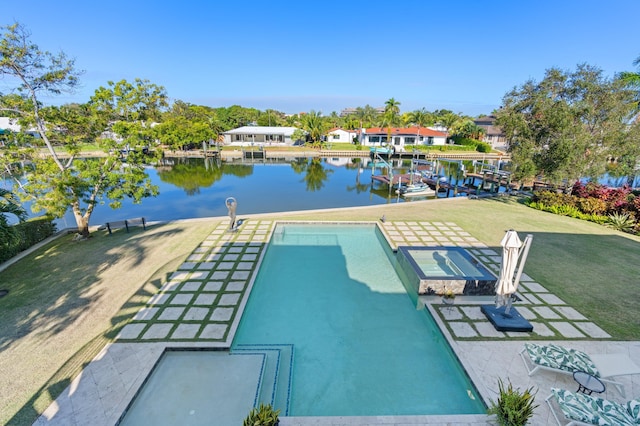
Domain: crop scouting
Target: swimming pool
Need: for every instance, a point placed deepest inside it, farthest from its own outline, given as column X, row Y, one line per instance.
column 357, row 346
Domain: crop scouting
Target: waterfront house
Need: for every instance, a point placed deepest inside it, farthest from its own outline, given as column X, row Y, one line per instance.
column 259, row 135
column 338, row 134
column 402, row 139
column 494, row 135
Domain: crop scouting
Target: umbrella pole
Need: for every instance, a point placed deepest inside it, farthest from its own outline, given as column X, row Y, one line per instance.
column 523, row 258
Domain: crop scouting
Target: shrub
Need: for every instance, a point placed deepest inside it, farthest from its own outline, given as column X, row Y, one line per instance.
column 465, row 141
column 265, row 415
column 483, row 147
column 565, row 210
column 28, row 234
column 551, row 198
column 599, row 219
column 592, row 205
column 513, row 408
column 621, row 222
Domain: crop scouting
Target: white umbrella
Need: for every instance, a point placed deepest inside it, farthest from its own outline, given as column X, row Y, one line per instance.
column 506, row 284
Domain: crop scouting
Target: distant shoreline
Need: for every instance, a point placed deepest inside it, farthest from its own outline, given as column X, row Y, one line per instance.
column 236, row 154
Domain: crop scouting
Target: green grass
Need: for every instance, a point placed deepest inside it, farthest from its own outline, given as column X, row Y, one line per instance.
column 69, row 298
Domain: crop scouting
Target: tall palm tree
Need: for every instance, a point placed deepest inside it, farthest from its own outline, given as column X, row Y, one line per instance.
column 391, row 116
column 392, row 106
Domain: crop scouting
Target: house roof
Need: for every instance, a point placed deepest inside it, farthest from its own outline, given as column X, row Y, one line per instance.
column 261, row 130
column 494, row 130
column 422, row 131
column 340, row 128
column 486, row 120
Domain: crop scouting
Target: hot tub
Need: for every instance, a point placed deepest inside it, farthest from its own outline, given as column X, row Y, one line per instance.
column 434, row 270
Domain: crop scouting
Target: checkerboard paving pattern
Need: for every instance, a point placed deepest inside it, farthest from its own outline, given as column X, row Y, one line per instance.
column 201, row 299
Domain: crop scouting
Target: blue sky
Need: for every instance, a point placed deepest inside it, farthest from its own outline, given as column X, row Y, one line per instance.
column 296, row 56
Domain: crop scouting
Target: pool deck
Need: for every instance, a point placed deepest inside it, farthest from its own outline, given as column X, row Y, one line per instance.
column 200, row 305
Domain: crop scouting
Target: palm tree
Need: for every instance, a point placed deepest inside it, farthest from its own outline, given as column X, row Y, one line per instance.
column 391, row 116
column 420, row 118
column 448, row 121
column 315, row 125
column 367, row 115
column 632, row 79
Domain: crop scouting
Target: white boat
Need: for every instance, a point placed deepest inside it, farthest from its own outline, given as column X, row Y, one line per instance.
column 419, row 189
column 382, row 150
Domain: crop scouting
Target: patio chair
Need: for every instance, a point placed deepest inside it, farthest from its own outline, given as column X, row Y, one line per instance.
column 580, row 409
column 556, row 358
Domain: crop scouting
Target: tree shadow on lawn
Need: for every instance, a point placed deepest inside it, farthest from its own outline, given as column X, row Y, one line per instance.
column 47, row 293
column 73, row 296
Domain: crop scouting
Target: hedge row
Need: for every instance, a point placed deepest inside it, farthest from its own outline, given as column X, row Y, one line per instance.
column 475, row 144
column 28, row 234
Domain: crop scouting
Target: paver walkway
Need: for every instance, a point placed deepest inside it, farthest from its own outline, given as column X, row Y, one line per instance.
column 200, row 305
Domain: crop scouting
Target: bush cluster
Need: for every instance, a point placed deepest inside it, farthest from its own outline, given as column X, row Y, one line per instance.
column 28, row 233
column 618, row 208
column 472, row 143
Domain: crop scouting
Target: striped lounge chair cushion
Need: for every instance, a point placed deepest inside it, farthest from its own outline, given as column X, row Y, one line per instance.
column 592, row 410
column 554, row 356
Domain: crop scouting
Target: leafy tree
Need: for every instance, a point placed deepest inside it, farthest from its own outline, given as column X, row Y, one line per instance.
column 9, row 205
column 367, row 116
column 565, row 126
column 466, row 128
column 299, row 135
column 271, row 117
column 236, row 116
column 117, row 118
column 187, row 124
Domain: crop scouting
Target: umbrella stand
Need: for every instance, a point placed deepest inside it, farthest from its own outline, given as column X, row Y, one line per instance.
column 525, row 251
column 500, row 314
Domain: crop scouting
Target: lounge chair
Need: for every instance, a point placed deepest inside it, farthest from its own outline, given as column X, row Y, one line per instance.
column 562, row 360
column 580, row 409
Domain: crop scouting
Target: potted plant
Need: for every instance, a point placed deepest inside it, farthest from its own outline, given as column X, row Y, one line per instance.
column 448, row 296
column 513, row 408
column 264, row 415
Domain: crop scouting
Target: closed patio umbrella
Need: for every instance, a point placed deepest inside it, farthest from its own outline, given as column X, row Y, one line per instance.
column 506, row 285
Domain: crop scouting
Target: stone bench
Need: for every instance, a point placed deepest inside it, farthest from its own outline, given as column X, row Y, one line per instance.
column 137, row 221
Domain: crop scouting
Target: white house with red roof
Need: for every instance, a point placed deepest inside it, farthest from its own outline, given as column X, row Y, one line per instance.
column 402, row 138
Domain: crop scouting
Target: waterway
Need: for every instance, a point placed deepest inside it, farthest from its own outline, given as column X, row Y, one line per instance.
column 197, row 188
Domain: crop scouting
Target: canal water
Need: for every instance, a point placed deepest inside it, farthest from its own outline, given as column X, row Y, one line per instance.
column 197, row 187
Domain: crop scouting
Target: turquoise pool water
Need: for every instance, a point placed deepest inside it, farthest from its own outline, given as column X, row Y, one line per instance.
column 360, row 346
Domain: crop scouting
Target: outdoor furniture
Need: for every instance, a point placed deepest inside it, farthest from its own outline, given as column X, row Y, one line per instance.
column 582, row 409
column 556, row 358
column 138, row 221
column 587, row 384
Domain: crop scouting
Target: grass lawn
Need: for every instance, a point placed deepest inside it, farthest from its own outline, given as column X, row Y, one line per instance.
column 68, row 299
